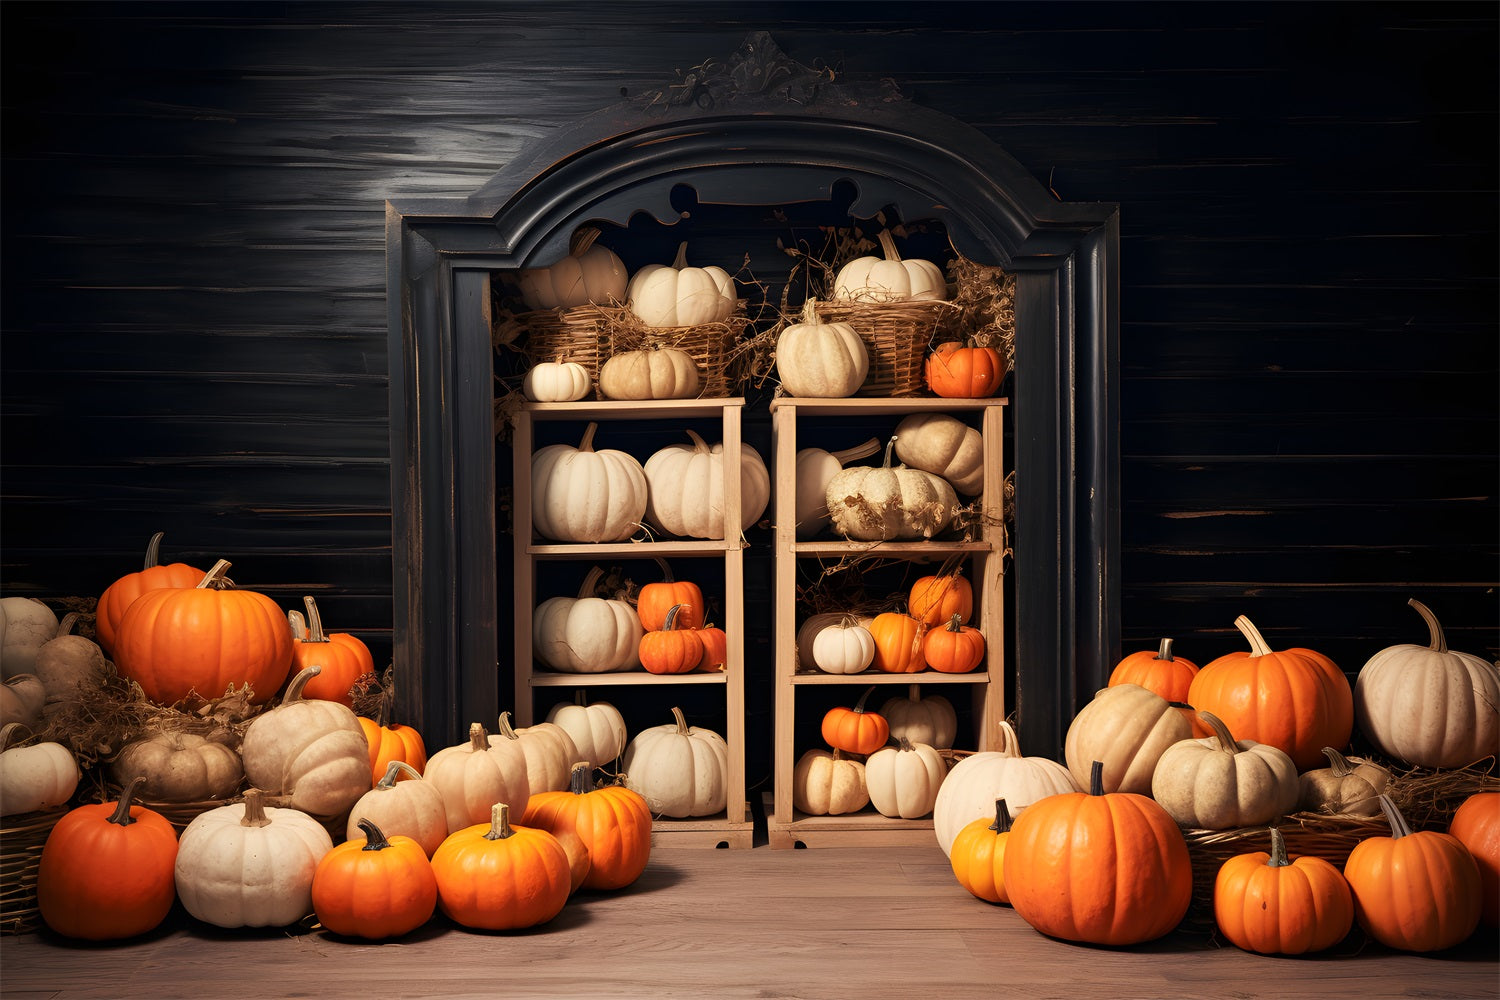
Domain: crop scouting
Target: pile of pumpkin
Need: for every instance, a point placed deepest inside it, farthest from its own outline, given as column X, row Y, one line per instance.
column 1097, row 851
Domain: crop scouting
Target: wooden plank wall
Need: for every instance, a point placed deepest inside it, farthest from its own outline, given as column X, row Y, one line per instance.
column 193, row 313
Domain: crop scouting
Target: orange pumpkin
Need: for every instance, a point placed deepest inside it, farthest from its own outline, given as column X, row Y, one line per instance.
column 855, row 730
column 1416, row 891
column 374, row 887
column 656, row 599
column 613, row 822
column 978, row 855
column 715, row 648
column 1109, row 869
column 1275, row 905
column 671, row 649
column 500, row 877
column 1287, row 699
column 956, row 649
column 898, row 643
column 955, row 371
column 1476, row 823
column 207, row 639
column 391, row 743
column 344, row 658
column 935, row 599
column 119, row 595
column 107, row 870
column 1169, row 676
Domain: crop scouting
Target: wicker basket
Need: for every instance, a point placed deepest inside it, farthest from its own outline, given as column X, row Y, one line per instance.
column 575, row 334
column 896, row 335
column 22, row 838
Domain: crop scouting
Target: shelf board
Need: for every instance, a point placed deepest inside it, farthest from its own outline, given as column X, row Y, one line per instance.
column 880, row 405
column 916, row 551
column 621, row 678
column 631, row 409
column 702, row 832
column 643, row 550
column 862, row 829
column 879, row 677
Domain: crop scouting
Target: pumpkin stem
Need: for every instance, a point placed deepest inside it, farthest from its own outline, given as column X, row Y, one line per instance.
column 903, row 744
column 587, row 444
column 1399, row 826
column 297, row 624
column 506, row 729
column 479, row 740
column 1096, row 778
column 374, row 839
column 699, row 445
column 956, row 623
column 1338, row 763
column 215, row 579
column 682, row 726
column 65, row 626
column 859, row 706
column 913, row 692
column 122, row 815
column 590, row 585
column 1164, row 651
column 255, row 809
column 680, row 261
column 1258, row 644
column 666, row 571
column 888, row 245
column 8, row 734
column 1002, row 817
column 294, row 689
column 1010, row 745
column 1221, row 732
column 870, row 447
column 670, row 624
column 578, row 778
column 500, row 827
column 1278, row 857
column 314, row 621
column 153, row 551
column 1437, row 642
column 890, row 446
column 395, row 767
column 582, row 240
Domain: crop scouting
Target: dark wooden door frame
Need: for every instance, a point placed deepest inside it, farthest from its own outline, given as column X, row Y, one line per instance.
column 755, row 149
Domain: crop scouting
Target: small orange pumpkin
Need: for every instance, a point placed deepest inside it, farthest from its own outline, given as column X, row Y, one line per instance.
column 390, row 743
column 956, row 649
column 955, row 371
column 1477, row 824
column 898, row 643
column 1274, row 905
column 344, row 658
column 715, row 647
column 935, row 599
column 499, row 877
column 122, row 593
column 613, row 822
column 671, row 649
column 854, row 730
column 656, row 599
column 1159, row 671
column 374, row 887
column 978, row 855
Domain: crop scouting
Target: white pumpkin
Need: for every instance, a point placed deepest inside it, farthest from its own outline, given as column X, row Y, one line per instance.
column 680, row 770
column 678, row 295
column 402, row 802
column 827, row 783
column 596, row 727
column 890, row 279
column 29, row 624
column 815, row 468
column 931, row 720
column 664, row 373
column 555, row 382
column 311, row 751
column 823, row 360
column 249, row 865
column 475, row 775
column 1220, row 784
column 41, row 776
column 685, row 485
column 971, row 788
column 888, row 503
column 21, row 700
column 845, row 647
column 591, row 272
column 807, row 635
column 904, row 780
column 1429, row 705
column 582, row 495
column 550, row 753
column 1127, row 728
column 944, row 446
column 587, row 634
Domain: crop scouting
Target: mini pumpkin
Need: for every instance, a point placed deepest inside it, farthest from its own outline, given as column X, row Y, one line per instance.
column 655, row 599
column 655, row 373
column 1273, row 904
column 411, row 808
column 374, row 887
column 41, row 776
column 557, row 382
column 972, row 372
column 392, row 743
column 344, row 658
column 678, row 295
column 670, row 649
column 1348, row 786
column 846, row 647
column 978, row 855
column 954, row 649
column 499, row 877
column 936, row 598
column 855, row 730
column 898, row 643
column 828, row 784
column 1157, row 670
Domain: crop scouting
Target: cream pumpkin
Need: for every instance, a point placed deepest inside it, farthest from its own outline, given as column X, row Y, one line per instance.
column 591, row 272
column 29, row 624
column 664, row 373
column 1348, row 786
column 889, row 502
column 678, row 295
column 550, row 753
column 931, row 720
column 179, row 767
column 596, row 727
column 826, row 783
column 821, row 360
column 807, row 635
column 582, row 495
column 971, row 788
column 845, row 647
column 587, row 634
column 475, row 775
column 680, row 770
column 311, row 752
column 685, row 488
column 41, row 776
column 944, row 446
column 815, row 468
column 904, row 780
column 889, row 279
column 69, row 666
column 1220, row 784
column 21, row 700
column 405, row 803
column 556, row 382
column 1127, row 728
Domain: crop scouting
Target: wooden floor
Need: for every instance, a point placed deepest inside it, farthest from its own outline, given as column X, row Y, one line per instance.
column 828, row 922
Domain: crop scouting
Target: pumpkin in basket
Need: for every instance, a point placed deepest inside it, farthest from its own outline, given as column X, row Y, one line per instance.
column 587, row 634
column 495, row 876
column 1348, row 786
column 21, row 700
column 680, row 770
column 889, row 502
column 373, row 886
column 1128, row 729
column 25, row 625
column 41, row 776
column 612, row 823
column 658, row 373
column 70, row 667
column 686, row 488
column 855, row 730
column 944, row 446
column 971, row 788
column 343, row 657
column 890, row 279
column 1276, row 905
column 207, row 638
column 978, row 855
column 179, row 767
column 107, row 870
column 412, row 807
column 1220, row 783
column 958, row 372
column 122, row 593
column 476, row 774
column 1429, row 705
column 312, row 752
column 821, row 360
column 591, row 272
column 931, row 720
column 815, row 468
column 582, row 495
column 678, row 295
column 557, row 382
column 1476, row 824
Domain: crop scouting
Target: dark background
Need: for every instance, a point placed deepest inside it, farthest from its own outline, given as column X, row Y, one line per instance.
column 194, row 333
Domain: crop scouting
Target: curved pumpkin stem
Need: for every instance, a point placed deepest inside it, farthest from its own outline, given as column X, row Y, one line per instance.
column 581, row 240
column 699, row 445
column 888, row 245
column 587, row 444
column 890, row 446
column 1164, row 651
column 255, row 809
column 122, row 815
column 1221, row 732
column 392, row 774
column 1338, row 763
column 1436, row 642
column 374, row 839
column 666, row 571
column 298, row 624
column 215, row 579
column 1258, row 644
column 1399, row 826
column 859, row 706
column 294, row 689
column 479, row 738
column 1278, row 857
column 670, row 624
column 1010, row 745
column 590, row 583
column 682, row 726
column 506, row 729
column 8, row 736
column 870, row 447
column 680, row 261
column 578, row 778
column 1002, row 818
column 500, row 827
column 153, row 551
column 314, row 621
column 955, row 624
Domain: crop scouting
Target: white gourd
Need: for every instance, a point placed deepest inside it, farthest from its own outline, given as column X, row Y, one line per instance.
column 590, row 273
column 41, row 776
column 844, row 647
column 587, row 634
column 685, row 488
column 971, row 788
column 665, row 373
column 931, row 720
column 944, row 446
column 1220, row 784
column 890, row 279
column 678, row 295
column 596, row 727
column 826, row 783
column 555, row 382
column 550, row 753
column 582, row 495
column 821, row 360
column 29, row 624
column 411, row 808
column 311, row 751
column 474, row 775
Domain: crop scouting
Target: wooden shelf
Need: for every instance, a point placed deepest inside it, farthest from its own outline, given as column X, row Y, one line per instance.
column 876, row 677
column 621, row 678
column 866, row 828
column 632, row 550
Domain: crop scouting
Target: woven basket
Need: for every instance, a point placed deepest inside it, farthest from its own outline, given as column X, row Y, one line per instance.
column 575, row 334
column 896, row 335
column 22, row 838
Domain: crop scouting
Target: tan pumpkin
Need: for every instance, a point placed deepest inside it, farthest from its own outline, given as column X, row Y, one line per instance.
column 931, row 720
column 889, row 502
column 680, row 770
column 69, row 666
column 826, row 783
column 944, row 446
column 1348, row 786
column 971, row 788
column 1429, row 705
column 890, row 278
column 591, row 272
column 1127, row 728
column 21, row 700
column 821, row 360
column 596, row 727
column 587, row 634
column 658, row 373
column 179, row 767
column 550, row 753
column 678, row 295
column 311, row 754
column 903, row 780
column 475, row 775
column 1221, row 784
column 28, row 625
column 685, row 488
column 41, row 776
column 402, row 802
column 582, row 495
column 815, row 467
